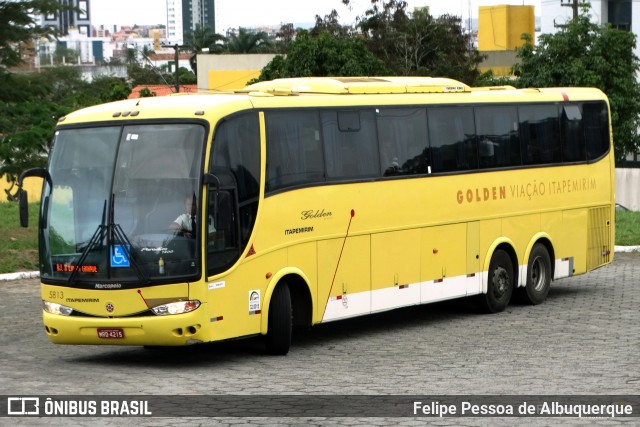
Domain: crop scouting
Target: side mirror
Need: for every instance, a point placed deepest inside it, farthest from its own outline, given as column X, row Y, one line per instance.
column 39, row 172
column 23, row 202
column 22, row 194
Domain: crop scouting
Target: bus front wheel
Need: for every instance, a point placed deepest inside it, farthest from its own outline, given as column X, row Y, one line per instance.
column 538, row 276
column 278, row 338
column 500, row 283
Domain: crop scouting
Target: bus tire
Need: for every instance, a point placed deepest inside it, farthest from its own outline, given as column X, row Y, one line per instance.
column 538, row 276
column 278, row 338
column 500, row 283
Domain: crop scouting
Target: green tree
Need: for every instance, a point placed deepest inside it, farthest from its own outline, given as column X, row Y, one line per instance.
column 107, row 89
column 131, row 56
column 185, row 77
column 204, row 38
column 66, row 87
column 24, row 141
column 285, row 37
column 249, row 42
column 330, row 24
column 324, row 55
column 145, row 76
column 28, row 115
column 147, row 51
column 31, row 104
column 586, row 54
column 417, row 43
column 18, row 26
column 145, row 92
column 65, row 55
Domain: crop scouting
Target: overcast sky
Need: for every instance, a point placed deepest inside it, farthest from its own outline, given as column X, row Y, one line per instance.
column 251, row 13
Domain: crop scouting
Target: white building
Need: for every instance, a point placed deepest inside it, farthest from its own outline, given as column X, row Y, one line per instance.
column 175, row 28
column 183, row 16
column 622, row 14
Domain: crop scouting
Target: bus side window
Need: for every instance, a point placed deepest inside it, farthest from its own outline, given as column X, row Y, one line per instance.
column 497, row 130
column 573, row 148
column 539, row 130
column 350, row 145
column 402, row 136
column 294, row 149
column 596, row 130
column 452, row 139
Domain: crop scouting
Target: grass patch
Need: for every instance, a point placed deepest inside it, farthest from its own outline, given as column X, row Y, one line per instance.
column 627, row 228
column 18, row 246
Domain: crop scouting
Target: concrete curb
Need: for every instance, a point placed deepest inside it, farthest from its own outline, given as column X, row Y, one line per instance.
column 19, row 276
column 626, row 248
column 35, row 274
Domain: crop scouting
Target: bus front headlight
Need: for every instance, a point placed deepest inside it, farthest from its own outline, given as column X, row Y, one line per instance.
column 55, row 308
column 179, row 307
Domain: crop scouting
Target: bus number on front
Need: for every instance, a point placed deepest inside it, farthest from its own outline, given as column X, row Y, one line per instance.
column 56, row 294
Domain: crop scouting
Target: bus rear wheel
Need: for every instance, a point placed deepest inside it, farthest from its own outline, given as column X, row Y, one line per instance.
column 500, row 283
column 278, row 338
column 538, row 276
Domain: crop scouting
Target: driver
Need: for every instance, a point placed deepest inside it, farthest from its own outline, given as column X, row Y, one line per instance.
column 185, row 224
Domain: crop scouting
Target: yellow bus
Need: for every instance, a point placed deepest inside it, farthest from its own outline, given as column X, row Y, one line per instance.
column 203, row 217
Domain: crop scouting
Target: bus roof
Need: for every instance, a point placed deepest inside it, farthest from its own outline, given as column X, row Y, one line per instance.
column 323, row 91
column 357, row 85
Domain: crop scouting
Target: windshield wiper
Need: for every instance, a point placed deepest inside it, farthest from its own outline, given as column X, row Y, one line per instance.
column 116, row 236
column 96, row 238
column 119, row 237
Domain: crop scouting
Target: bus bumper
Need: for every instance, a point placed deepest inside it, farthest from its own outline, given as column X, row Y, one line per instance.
column 172, row 330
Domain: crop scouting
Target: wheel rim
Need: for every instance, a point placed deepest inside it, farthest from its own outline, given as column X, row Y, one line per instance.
column 500, row 282
column 538, row 274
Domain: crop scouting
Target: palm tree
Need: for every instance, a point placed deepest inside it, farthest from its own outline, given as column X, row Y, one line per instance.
column 249, row 42
column 200, row 39
column 130, row 56
column 204, row 38
column 147, row 51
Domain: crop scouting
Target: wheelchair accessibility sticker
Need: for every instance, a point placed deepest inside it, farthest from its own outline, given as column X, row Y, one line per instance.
column 119, row 256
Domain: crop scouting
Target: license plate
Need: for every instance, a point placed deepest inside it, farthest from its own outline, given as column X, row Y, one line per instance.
column 111, row 333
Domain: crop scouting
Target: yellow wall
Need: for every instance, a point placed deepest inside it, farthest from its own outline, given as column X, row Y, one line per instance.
column 230, row 79
column 504, row 71
column 498, row 61
column 500, row 27
column 230, row 71
column 32, row 185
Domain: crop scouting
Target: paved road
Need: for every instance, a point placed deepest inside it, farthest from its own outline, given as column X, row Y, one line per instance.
column 583, row 340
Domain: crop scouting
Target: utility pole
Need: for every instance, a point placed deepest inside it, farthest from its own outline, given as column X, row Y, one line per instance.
column 573, row 4
column 176, row 48
column 177, row 58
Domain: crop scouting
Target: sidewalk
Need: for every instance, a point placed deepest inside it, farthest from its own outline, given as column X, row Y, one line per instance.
column 34, row 274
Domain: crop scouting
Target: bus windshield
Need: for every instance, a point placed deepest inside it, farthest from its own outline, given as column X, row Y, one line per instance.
column 123, row 204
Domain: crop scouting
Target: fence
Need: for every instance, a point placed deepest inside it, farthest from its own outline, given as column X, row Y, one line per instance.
column 628, row 188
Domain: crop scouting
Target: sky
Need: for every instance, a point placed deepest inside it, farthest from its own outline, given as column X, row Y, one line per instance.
column 252, row 13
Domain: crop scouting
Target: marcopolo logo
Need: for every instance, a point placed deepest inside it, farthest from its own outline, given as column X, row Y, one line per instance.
column 23, row 406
